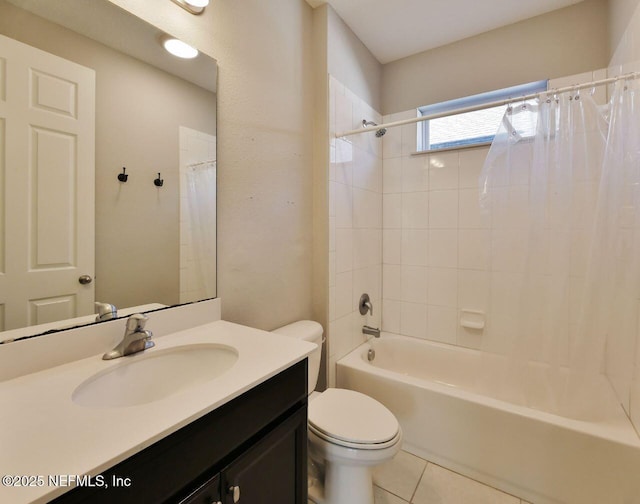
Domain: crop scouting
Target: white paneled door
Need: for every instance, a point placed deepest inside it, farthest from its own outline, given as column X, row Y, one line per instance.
column 47, row 164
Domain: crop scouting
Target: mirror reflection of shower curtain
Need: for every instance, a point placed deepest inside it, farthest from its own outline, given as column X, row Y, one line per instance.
column 201, row 187
column 561, row 193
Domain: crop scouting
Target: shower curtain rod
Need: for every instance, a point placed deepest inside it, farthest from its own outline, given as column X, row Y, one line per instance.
column 497, row 103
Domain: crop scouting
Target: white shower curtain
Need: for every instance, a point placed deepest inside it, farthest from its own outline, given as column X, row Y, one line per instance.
column 201, row 187
column 560, row 194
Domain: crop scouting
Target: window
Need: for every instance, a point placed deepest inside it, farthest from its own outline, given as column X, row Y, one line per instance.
column 469, row 128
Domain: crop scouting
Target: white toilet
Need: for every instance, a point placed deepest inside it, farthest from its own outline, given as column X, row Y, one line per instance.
column 349, row 432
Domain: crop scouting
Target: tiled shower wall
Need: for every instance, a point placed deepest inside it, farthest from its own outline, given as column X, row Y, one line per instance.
column 355, row 223
column 436, row 257
column 434, row 248
column 406, row 228
column 623, row 358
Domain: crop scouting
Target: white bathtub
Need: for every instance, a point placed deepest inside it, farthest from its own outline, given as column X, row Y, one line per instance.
column 439, row 395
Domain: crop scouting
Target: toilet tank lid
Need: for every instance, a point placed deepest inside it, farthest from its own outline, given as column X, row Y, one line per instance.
column 307, row 330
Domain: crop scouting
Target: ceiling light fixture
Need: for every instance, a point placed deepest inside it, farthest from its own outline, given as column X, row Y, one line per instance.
column 179, row 48
column 193, row 6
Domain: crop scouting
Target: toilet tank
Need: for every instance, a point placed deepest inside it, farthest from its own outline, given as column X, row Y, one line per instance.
column 311, row 331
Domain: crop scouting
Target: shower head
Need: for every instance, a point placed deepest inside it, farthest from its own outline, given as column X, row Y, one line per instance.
column 379, row 133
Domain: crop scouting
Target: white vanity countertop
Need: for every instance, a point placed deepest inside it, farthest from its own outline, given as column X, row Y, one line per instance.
column 43, row 433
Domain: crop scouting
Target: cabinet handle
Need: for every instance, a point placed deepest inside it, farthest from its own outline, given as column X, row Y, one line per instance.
column 235, row 491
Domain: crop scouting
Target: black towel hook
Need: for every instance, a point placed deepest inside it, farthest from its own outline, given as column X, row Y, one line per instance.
column 158, row 182
column 122, row 177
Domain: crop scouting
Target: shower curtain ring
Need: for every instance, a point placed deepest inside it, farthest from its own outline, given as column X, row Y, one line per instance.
column 576, row 89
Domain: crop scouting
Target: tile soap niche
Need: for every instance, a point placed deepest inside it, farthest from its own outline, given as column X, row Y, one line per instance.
column 472, row 319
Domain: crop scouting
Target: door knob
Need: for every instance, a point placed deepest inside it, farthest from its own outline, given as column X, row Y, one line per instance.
column 85, row 279
column 235, row 491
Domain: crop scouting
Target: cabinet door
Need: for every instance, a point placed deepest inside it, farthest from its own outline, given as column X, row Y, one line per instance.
column 208, row 493
column 274, row 470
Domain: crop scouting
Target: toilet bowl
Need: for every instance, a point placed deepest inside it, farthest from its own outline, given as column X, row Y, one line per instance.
column 349, row 432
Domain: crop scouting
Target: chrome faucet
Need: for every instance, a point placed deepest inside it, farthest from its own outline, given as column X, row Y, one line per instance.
column 106, row 311
column 136, row 338
column 371, row 331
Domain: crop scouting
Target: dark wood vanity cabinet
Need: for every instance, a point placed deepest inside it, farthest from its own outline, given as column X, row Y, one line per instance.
column 252, row 450
column 264, row 474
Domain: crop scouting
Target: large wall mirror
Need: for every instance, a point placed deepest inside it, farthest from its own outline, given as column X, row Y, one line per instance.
column 107, row 166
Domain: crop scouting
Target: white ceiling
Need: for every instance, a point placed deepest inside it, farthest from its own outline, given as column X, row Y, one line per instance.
column 393, row 29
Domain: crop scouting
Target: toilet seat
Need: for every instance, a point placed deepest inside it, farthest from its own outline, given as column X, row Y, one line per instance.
column 353, row 420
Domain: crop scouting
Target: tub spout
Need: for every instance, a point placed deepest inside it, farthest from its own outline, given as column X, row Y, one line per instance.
column 372, row 331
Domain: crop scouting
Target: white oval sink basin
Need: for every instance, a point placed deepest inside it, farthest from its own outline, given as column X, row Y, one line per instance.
column 155, row 374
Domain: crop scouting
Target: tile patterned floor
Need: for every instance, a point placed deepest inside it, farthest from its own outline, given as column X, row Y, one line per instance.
column 410, row 479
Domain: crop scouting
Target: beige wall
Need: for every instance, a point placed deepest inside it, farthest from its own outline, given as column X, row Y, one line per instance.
column 138, row 111
column 624, row 34
column 320, row 292
column 563, row 42
column 265, row 121
column 138, row 224
column 351, row 62
column 265, row 106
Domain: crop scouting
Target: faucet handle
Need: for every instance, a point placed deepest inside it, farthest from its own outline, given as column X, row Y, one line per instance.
column 136, row 322
column 365, row 304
